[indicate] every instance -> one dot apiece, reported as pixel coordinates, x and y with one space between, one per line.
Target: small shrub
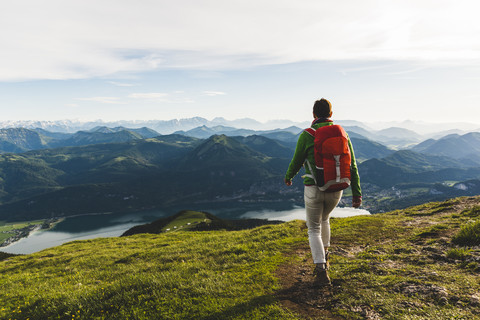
458 253
469 235
473 212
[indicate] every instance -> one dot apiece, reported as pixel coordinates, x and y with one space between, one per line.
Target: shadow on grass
4 255
245 308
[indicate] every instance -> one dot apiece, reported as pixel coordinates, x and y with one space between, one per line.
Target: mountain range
162 126
20 139
18 136
44 174
430 130
456 146
134 175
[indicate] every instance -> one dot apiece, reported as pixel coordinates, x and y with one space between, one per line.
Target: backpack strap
312 175
310 131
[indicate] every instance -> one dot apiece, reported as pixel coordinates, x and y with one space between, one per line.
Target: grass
4 255
469 235
397 265
191 217
195 275
403 265
458 253
450 183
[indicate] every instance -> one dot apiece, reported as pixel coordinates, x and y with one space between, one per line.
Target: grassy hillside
197 275
406 264
183 220
196 221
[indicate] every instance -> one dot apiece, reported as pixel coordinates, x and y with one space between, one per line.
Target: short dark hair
322 108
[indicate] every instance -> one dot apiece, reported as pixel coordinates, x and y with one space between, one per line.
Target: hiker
319 204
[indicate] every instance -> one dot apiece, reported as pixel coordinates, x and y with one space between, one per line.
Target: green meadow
405 264
178 275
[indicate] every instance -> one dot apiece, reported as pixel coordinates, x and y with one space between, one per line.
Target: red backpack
332 158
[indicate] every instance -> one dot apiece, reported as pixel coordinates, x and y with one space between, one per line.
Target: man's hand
288 182
356 201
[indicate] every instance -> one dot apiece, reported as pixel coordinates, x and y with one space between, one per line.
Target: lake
113 225
299 214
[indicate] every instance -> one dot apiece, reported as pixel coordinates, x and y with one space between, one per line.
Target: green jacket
304 151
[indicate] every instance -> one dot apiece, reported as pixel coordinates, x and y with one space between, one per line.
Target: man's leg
331 201
314 209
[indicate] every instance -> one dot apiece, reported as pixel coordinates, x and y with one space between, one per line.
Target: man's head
322 109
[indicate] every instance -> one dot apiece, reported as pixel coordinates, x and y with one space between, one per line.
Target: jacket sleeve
355 177
298 158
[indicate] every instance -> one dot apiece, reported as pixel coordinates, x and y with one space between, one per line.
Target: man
319 204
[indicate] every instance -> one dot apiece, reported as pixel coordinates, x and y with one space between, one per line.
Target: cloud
122 84
55 39
106 100
150 96
162 97
213 93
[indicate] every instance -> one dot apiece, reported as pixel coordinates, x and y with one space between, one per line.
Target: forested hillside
136 175
118 169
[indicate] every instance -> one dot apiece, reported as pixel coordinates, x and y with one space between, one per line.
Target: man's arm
297 161
355 178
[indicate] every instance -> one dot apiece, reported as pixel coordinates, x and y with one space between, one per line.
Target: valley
416 258
117 169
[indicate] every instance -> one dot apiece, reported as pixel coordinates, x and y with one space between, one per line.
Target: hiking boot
321 276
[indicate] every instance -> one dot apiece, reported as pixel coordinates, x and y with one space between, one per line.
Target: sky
379 60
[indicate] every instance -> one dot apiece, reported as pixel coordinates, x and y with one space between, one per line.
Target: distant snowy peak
72 126
60 125
170 126
160 126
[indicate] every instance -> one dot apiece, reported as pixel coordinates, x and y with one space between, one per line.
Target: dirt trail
299 294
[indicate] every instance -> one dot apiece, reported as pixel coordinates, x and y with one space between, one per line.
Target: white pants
318 205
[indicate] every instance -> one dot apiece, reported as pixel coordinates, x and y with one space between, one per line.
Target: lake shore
85 227
28 230
19 234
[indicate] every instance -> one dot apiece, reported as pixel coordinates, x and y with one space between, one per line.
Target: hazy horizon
418 126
